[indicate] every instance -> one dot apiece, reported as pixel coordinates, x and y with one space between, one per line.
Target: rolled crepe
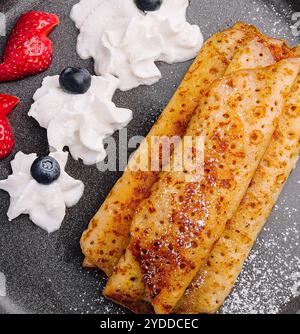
254 53
174 230
107 236
217 277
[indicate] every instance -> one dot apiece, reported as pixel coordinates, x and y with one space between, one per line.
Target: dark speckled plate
43 272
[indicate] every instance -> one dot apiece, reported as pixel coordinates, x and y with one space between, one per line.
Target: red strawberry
6 138
7 103
28 50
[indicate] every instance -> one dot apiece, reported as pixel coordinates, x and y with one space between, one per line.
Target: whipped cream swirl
126 42
45 204
79 121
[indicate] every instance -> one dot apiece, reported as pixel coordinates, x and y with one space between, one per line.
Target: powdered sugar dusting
271 276
267 14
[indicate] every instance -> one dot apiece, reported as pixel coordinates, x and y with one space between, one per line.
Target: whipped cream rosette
79 121
125 41
45 204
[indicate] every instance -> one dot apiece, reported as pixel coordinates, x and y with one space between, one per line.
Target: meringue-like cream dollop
45 204
79 121
125 42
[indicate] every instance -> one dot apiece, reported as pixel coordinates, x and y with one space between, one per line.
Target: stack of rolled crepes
171 246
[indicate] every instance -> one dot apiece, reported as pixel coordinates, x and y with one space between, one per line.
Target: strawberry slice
6 138
7 103
28 50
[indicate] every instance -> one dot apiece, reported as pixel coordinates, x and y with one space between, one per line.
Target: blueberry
45 170
148 5
75 80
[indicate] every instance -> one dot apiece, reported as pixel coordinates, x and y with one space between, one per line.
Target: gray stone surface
43 272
